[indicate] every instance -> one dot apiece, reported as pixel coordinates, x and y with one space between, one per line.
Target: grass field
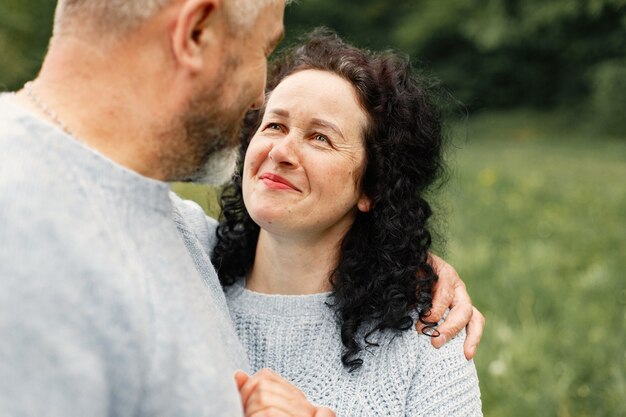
536 227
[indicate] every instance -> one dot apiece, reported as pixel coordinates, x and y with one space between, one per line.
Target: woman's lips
276 182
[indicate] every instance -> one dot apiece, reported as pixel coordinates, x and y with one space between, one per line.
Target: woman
322 263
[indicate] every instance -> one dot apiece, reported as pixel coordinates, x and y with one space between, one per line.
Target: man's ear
197 28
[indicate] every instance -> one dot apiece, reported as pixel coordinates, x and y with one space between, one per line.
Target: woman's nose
284 152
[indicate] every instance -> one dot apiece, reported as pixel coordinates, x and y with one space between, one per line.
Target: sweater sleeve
192 218
446 384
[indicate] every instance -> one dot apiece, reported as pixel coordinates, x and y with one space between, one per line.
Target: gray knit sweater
109 305
298 337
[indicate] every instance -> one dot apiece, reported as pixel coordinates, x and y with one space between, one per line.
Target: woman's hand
450 292
267 394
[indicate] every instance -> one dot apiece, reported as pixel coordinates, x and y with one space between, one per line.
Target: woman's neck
293 266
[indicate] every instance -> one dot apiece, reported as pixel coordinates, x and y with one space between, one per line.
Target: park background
534 212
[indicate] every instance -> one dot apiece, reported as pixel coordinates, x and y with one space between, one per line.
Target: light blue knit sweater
298 337
109 305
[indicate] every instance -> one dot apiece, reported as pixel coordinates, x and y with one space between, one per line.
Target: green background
534 212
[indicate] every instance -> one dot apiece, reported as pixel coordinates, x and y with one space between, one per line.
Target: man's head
205 60
119 16
241 86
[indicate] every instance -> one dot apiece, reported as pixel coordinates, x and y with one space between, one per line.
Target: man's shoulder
32 185
27 159
45 210
190 218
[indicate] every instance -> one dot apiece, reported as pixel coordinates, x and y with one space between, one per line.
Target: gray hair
118 16
115 15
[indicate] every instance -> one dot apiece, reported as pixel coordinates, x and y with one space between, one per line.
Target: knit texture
298 337
108 304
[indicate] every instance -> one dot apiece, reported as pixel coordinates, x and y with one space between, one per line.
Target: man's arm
450 293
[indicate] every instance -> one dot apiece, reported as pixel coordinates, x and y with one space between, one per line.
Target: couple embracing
110 301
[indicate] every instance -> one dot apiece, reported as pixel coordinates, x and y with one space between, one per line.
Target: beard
218 168
206 145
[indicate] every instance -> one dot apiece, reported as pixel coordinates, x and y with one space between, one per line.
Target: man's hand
266 394
450 292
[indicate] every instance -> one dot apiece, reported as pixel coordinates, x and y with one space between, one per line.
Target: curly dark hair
383 271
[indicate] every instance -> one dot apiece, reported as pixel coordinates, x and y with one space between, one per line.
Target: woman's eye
321 138
273 126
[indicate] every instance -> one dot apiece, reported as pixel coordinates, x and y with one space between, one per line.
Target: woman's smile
276 182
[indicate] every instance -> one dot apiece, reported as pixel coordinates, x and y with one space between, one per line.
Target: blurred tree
500 53
491 54
25 27
609 97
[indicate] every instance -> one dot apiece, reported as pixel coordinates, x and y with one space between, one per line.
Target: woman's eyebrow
326 124
315 122
279 112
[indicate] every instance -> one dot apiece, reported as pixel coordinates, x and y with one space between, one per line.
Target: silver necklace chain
28 87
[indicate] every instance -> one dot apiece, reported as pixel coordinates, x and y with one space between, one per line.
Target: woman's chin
269 219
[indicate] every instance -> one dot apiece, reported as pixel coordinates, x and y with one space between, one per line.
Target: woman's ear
364 204
195 30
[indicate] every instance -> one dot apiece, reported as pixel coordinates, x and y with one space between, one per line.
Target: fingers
268 394
252 383
474 333
456 321
450 293
324 412
267 380
266 400
269 412
443 296
443 290
241 378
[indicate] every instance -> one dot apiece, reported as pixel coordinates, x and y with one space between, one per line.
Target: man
107 304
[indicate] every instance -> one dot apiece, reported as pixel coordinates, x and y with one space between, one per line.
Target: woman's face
303 167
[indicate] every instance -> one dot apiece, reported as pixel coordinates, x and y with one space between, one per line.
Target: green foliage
501 53
25 27
206 196
609 97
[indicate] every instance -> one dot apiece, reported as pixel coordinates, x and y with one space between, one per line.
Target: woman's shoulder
417 357
426 381
444 381
424 340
